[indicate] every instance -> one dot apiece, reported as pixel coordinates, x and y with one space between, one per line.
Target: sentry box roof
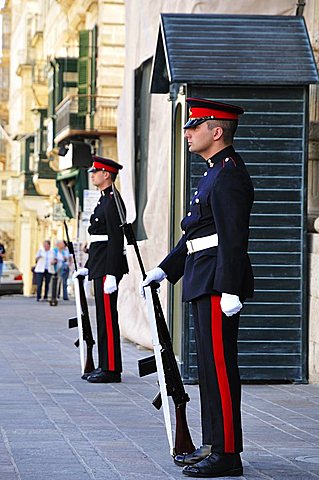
207 49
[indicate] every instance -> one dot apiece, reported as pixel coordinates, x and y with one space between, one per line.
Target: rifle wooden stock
183 440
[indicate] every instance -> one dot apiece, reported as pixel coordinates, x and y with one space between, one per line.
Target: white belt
197 244
99 238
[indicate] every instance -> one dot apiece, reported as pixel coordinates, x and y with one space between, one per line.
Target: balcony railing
85 115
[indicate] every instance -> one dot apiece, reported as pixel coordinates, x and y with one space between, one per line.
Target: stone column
312 19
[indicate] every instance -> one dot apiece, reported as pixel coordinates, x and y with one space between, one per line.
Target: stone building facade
59 57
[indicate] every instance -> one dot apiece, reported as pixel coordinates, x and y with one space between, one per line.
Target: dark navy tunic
222 205
107 257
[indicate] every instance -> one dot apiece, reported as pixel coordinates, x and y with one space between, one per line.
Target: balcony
25 59
85 116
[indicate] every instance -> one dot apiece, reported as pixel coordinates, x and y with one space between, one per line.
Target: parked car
11 280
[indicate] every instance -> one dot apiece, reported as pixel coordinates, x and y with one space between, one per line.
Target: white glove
230 304
154 275
81 271
110 284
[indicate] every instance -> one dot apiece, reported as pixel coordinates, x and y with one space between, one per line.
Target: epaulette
226 161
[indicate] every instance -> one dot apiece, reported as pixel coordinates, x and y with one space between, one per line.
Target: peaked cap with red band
106 164
202 110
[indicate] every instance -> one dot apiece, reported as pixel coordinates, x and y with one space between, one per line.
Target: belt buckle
190 247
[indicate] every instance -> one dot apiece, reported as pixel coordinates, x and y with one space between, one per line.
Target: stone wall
313 316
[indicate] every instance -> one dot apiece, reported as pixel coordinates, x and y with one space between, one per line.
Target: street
55 426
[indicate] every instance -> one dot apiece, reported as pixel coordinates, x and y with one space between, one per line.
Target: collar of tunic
219 156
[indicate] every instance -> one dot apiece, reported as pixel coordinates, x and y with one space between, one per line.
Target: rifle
82 320
173 380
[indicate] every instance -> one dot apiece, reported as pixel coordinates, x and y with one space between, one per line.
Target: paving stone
55 426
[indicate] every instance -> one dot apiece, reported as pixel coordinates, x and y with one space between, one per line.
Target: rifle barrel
70 244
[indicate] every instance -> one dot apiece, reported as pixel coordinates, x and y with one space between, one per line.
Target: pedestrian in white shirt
45 267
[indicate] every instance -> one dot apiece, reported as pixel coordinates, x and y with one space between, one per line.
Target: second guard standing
106 266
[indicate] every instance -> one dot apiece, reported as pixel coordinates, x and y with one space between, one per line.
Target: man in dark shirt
106 266
212 258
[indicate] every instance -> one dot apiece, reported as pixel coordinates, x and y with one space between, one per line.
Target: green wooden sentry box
264 64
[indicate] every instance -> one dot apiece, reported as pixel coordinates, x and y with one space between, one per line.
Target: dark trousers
219 381
108 332
63 280
47 277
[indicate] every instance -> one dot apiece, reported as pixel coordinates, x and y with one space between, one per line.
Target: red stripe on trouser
109 331
219 357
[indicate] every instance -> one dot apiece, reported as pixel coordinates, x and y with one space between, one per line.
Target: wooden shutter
93 72
51 88
84 70
272 139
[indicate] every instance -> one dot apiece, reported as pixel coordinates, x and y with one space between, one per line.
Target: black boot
216 465
87 374
192 458
104 377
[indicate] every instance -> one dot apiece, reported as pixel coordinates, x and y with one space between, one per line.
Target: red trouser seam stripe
109 330
219 357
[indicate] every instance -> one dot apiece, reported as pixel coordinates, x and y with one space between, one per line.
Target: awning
232 50
70 184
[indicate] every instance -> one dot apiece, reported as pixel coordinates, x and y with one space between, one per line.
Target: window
87 71
142 104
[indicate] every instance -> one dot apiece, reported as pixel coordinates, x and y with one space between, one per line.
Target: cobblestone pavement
55 426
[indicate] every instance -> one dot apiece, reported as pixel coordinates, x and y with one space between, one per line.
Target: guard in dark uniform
217 276
106 266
